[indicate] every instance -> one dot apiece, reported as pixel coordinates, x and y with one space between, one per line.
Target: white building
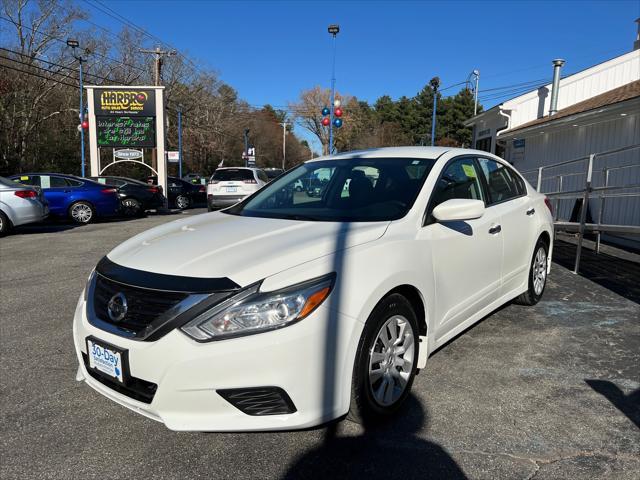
598 110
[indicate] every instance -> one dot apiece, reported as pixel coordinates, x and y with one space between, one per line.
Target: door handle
531 211
495 229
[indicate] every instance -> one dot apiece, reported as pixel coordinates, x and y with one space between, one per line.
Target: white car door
466 255
507 196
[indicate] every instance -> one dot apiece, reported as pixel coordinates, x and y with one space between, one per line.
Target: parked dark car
136 197
80 199
182 194
273 173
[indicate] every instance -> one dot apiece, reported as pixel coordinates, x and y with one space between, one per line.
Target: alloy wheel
391 360
539 271
81 213
182 202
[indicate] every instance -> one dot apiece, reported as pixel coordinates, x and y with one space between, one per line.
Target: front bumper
188 374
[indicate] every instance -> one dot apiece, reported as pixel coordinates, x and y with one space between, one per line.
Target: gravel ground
551 391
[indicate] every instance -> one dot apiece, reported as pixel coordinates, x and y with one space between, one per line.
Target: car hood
244 249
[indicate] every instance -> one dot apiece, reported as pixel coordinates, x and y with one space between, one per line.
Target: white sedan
285 312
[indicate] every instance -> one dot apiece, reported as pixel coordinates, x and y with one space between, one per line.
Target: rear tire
182 202
132 207
386 360
5 224
82 213
537 276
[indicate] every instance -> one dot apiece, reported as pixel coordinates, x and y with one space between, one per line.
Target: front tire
537 276
82 213
5 224
386 361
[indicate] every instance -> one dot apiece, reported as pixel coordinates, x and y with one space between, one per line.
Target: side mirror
458 209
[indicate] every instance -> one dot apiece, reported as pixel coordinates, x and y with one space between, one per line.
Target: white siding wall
575 88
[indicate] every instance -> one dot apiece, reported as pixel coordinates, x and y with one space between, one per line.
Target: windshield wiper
301 217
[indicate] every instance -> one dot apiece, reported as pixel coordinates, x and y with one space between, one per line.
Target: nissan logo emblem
117 307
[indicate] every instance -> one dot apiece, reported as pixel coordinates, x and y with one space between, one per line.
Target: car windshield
342 190
232 174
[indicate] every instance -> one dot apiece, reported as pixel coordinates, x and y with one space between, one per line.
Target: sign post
126 117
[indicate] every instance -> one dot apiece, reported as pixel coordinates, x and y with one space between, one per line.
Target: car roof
126 179
237 168
47 173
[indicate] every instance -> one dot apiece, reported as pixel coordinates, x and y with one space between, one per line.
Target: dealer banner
124 101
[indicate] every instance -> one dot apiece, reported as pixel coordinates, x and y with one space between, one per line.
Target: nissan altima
285 311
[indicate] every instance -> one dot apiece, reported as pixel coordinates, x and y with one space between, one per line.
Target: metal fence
571 183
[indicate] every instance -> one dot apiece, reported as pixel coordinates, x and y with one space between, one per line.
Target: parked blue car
80 199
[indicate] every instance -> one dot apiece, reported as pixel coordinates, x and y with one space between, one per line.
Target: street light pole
284 144
476 74
333 30
180 141
435 83
75 44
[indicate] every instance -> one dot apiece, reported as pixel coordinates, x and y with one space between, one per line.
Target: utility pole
284 143
435 84
158 54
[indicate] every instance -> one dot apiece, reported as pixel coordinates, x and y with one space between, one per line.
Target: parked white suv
229 185
288 310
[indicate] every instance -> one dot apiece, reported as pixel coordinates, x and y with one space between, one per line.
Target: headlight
88 284
252 311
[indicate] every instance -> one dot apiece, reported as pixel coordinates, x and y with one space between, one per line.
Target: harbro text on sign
125 117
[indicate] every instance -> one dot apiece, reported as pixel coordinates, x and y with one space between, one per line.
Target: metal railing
586 193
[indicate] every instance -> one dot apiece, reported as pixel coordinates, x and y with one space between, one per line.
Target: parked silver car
20 204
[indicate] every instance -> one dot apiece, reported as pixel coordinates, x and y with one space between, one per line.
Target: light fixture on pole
333 29
83 125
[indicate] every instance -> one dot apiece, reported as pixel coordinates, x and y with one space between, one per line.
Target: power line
38 75
95 54
104 79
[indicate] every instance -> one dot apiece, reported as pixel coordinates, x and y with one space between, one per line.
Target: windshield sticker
24 177
45 181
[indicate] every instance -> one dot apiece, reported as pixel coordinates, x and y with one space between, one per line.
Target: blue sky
271 50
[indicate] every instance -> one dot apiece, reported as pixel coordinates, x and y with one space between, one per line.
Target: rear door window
233 175
73 183
502 182
54 182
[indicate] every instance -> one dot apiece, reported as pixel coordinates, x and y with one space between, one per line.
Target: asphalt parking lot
551 391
